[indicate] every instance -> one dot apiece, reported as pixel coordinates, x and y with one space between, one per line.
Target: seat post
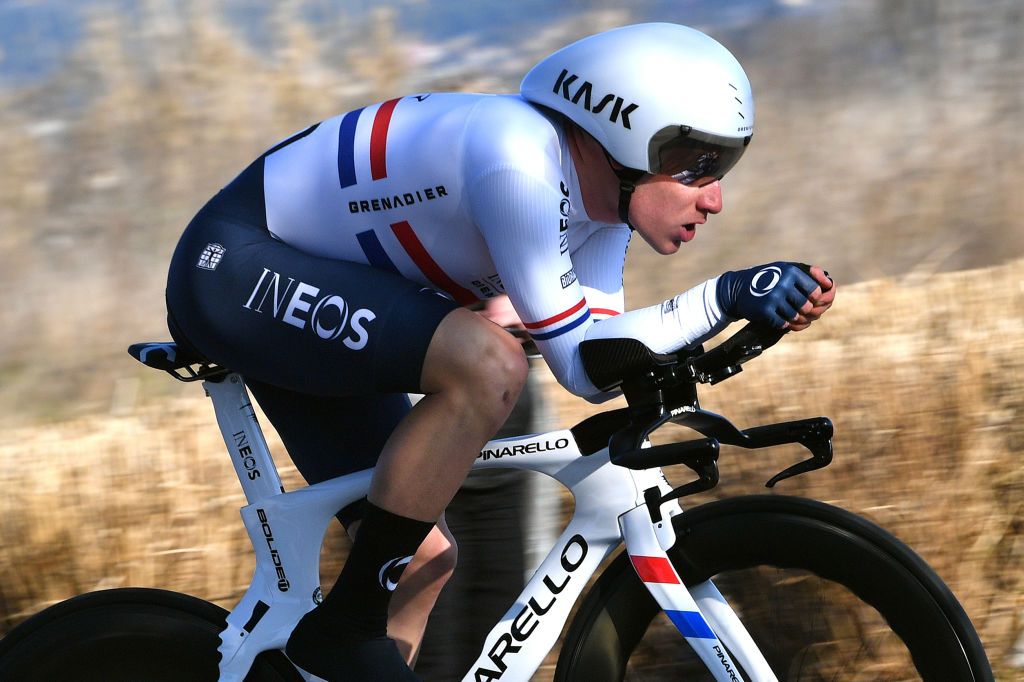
243 437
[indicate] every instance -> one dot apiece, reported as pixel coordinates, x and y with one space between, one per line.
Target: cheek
671 197
664 204
653 202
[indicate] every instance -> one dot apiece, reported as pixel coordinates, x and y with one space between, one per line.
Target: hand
817 303
781 294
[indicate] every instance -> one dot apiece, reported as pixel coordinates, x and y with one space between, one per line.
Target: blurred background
888 149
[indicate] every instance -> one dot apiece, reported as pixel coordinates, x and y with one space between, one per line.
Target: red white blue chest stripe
472 195
370 244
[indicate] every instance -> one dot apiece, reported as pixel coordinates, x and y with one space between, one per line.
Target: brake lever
815 434
818 439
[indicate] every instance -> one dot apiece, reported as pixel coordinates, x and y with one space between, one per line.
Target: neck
598 184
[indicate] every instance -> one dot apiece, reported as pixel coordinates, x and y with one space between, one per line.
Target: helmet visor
693 157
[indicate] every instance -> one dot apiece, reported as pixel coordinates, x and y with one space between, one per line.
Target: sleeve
519 216
682 321
518 199
686 320
598 264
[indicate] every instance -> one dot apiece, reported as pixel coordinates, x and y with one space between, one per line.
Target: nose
710 199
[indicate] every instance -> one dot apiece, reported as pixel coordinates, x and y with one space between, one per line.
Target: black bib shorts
328 348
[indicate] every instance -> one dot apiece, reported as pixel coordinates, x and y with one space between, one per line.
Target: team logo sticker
211 256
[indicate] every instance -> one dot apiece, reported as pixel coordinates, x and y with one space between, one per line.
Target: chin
665 247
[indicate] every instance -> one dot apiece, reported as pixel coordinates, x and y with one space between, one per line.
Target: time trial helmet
659 98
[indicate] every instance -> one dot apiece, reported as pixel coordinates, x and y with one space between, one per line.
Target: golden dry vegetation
929 426
888 140
888 149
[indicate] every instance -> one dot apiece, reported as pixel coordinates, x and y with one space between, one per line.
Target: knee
499 380
501 370
477 361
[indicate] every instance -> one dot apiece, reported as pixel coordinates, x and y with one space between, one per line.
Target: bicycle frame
287 531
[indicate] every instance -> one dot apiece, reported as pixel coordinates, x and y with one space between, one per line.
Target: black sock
346 636
384 546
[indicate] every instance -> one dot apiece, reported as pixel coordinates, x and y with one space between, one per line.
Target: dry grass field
888 149
925 397
887 140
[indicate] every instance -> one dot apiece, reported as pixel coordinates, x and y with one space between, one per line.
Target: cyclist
332 273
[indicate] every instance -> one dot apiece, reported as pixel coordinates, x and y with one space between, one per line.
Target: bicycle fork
701 613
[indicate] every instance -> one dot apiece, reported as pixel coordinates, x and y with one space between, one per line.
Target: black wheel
126 635
825 594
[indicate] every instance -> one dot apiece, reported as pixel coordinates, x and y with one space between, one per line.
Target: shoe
337 658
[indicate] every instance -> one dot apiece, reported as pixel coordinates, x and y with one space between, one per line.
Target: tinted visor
691 156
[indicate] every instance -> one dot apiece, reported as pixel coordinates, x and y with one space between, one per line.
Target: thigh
330 436
300 322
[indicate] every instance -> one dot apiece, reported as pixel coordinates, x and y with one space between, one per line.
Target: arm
548 292
688 319
784 295
519 215
598 264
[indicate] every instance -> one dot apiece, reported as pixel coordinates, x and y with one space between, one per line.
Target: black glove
771 293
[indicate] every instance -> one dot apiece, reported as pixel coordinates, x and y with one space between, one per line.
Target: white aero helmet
660 98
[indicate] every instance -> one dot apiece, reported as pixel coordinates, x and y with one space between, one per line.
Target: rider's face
666 213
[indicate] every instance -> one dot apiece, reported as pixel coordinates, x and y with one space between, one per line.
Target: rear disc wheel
126 635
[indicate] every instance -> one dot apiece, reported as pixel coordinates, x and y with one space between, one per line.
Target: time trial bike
762 587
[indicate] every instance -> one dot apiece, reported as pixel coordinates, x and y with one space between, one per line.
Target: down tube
517 645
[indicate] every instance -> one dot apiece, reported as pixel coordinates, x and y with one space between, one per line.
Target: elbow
583 388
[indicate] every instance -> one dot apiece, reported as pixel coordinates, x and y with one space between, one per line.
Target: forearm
685 320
